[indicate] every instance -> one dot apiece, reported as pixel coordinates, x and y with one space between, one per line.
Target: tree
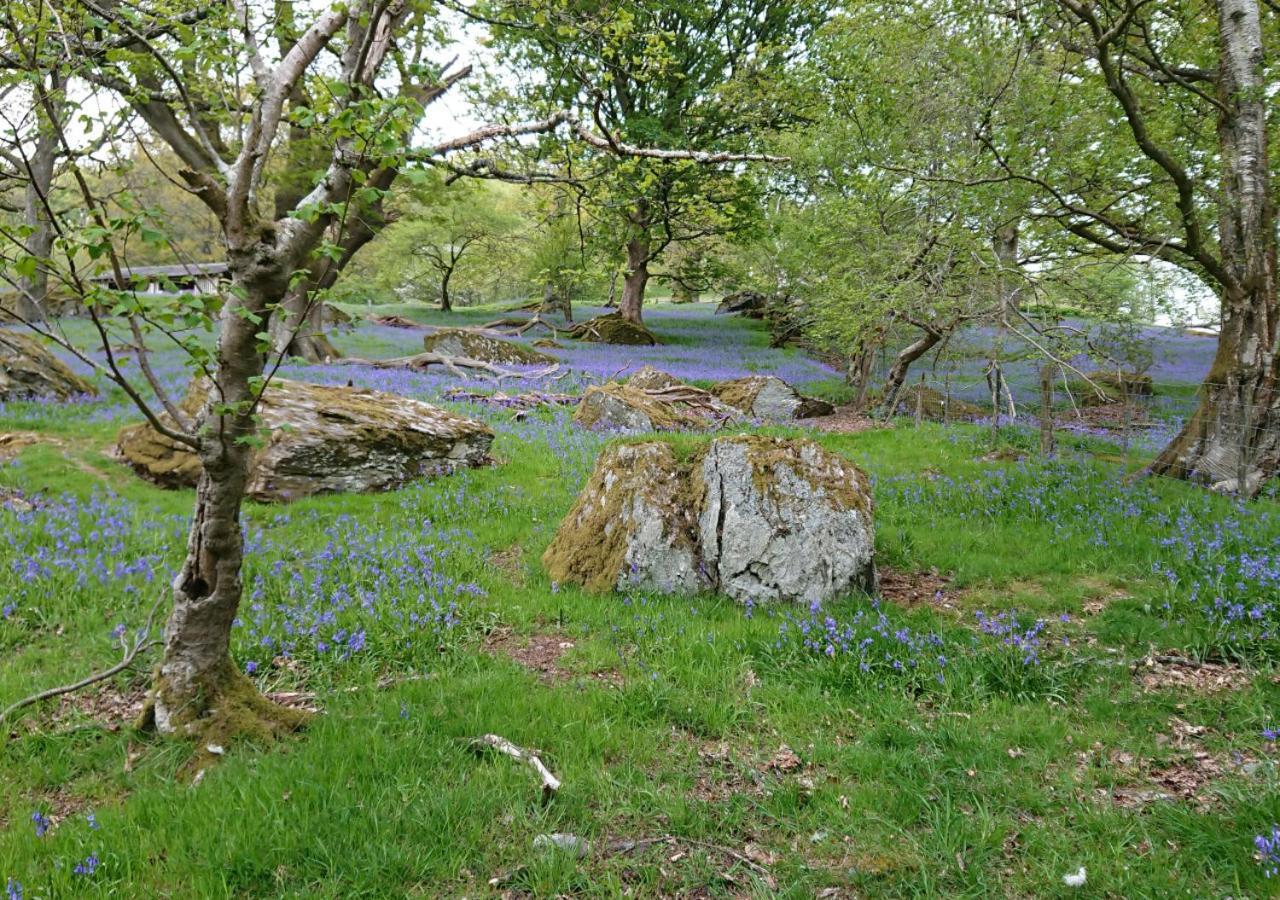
672 73
1185 178
460 221
287 231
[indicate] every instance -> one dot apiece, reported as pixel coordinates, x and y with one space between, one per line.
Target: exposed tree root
612 329
518 326
420 362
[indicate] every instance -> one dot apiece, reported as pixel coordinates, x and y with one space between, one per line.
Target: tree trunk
297 327
197 689
554 300
445 304
1232 440
33 290
637 277
898 371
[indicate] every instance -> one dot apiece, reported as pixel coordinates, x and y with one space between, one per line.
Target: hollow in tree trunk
1232 440
634 284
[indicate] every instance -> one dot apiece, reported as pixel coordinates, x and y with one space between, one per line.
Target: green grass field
704 749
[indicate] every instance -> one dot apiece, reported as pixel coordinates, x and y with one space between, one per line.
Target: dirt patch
542 654
1170 672
910 589
845 420
107 703
510 562
1189 778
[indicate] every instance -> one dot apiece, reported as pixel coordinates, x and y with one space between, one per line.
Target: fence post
920 402
1046 410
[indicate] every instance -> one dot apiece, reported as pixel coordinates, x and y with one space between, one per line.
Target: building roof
180 270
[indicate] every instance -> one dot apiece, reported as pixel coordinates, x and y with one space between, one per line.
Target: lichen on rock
783 520
317 439
483 347
759 519
28 371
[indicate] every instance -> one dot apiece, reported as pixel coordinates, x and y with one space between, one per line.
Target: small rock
569 843
770 399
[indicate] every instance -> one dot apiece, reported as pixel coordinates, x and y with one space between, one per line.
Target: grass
662 716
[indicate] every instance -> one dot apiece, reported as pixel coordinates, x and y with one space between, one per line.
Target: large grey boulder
651 379
759 519
769 398
783 520
28 371
631 527
317 439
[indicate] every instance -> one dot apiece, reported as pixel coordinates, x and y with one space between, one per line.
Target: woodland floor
1069 667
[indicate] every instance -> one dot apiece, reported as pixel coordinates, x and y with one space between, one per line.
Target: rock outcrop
759 519
770 399
28 371
626 408
484 347
318 439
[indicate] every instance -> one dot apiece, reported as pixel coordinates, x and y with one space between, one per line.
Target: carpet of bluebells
342 594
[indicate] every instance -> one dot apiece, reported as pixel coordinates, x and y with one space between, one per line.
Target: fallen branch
141 644
526 400
454 364
550 784
519 326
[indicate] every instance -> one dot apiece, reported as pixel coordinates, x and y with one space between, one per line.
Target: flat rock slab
28 371
484 347
759 519
770 399
319 439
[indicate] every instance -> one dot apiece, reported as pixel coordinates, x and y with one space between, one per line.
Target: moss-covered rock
317 439
613 329
626 408
484 347
28 371
1114 387
751 304
769 399
631 527
759 519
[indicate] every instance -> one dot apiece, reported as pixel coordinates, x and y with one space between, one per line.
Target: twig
550 784
131 652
